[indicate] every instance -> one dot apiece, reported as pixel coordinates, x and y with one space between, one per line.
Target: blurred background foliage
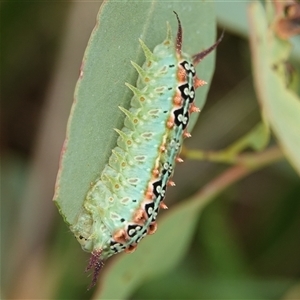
247 243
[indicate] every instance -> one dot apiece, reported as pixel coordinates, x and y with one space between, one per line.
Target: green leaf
239 25
257 139
280 106
101 86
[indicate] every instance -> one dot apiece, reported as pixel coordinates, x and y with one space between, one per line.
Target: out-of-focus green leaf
101 86
232 15
190 286
292 293
257 139
280 106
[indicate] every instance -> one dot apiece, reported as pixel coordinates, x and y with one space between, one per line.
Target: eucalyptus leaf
280 105
257 139
101 86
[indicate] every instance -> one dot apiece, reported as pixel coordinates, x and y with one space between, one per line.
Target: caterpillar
121 207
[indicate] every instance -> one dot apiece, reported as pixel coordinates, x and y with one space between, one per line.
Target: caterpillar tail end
96 263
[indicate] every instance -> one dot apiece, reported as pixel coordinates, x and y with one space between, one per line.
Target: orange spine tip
152 228
181 74
162 148
155 172
170 124
149 195
187 134
177 99
120 236
179 160
131 248
194 109
139 216
162 205
171 183
198 82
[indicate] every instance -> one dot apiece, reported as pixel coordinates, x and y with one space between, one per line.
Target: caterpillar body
122 205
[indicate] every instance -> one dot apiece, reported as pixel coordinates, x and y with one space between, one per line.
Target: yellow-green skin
121 207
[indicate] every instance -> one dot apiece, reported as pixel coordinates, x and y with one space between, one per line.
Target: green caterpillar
121 207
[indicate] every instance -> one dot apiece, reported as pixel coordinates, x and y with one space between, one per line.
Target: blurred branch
250 161
246 164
